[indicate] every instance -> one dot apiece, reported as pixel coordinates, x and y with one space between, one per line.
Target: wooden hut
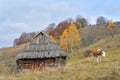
39 54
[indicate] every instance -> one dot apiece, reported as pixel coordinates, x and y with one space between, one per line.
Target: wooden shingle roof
41 47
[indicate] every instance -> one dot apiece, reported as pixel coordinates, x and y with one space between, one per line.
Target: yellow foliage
63 40
111 24
52 38
74 37
70 38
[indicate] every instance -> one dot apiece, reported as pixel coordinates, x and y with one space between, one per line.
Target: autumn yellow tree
70 38
74 37
52 38
64 40
110 27
111 24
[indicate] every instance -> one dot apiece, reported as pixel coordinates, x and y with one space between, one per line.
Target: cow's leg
100 58
94 57
97 58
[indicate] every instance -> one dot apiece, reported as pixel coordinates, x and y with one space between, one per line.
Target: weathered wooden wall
38 64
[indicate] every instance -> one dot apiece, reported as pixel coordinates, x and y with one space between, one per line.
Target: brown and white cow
97 54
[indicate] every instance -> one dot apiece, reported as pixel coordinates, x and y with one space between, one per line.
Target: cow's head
103 53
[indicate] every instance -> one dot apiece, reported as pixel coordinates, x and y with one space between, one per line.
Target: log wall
39 64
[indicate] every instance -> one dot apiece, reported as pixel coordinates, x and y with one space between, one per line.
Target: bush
87 53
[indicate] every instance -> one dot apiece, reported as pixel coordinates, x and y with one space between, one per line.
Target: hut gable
40 52
41 47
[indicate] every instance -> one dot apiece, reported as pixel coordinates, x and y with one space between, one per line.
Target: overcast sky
18 16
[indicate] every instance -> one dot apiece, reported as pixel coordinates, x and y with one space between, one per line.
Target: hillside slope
7 59
78 66
92 35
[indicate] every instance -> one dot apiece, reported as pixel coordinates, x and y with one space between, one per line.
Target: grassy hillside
94 34
7 59
77 68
